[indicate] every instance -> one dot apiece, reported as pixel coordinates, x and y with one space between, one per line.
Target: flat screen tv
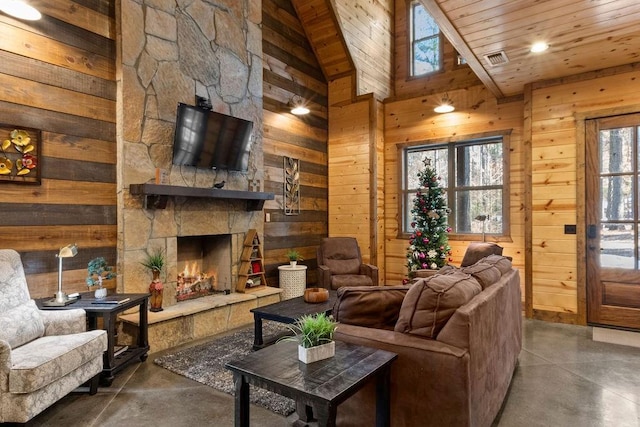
211 140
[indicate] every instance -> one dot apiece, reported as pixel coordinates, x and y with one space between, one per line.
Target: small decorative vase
155 289
293 263
100 292
319 352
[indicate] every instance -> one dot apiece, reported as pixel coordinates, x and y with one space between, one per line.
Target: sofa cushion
47 359
500 262
478 250
486 274
369 306
430 302
21 324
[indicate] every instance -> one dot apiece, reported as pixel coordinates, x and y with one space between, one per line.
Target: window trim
410 42
452 142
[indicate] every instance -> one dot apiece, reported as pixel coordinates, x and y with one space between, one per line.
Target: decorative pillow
486 274
21 324
430 303
369 306
478 250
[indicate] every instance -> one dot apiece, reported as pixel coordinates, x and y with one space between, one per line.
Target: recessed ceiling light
19 9
539 47
446 106
300 110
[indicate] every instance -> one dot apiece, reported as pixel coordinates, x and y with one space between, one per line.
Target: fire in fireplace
207 266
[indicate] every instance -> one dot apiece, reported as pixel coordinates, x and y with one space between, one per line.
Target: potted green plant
314 334
155 262
97 271
294 256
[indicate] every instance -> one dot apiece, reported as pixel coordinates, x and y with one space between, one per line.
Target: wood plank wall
58 75
413 121
290 68
452 76
558 111
368 31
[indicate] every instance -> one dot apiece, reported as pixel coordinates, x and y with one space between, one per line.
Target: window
426 52
474 174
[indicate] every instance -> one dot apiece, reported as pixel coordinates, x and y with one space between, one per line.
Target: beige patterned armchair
44 355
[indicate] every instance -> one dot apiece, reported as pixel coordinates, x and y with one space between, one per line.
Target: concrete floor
564 378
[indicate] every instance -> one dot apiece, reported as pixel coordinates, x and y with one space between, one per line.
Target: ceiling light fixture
446 106
19 9
297 106
539 47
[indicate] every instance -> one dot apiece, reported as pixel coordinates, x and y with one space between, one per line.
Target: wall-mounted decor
291 186
20 152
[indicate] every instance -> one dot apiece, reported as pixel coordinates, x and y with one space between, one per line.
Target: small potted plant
97 271
294 256
314 334
155 262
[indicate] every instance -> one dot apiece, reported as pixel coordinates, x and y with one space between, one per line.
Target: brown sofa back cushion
478 250
372 307
430 302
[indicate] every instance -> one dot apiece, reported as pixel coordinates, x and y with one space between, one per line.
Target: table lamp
68 251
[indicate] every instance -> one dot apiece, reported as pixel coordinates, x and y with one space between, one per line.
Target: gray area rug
204 363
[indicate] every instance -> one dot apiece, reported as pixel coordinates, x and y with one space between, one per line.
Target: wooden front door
613 220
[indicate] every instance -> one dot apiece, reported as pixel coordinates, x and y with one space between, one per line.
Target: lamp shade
68 251
20 9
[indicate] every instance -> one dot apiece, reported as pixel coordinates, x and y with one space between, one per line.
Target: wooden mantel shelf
156 195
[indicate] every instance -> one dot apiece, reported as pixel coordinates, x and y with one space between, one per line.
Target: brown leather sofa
340 264
457 334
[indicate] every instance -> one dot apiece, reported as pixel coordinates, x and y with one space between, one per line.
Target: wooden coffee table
320 386
288 311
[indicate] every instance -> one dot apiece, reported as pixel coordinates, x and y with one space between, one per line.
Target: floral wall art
20 151
291 186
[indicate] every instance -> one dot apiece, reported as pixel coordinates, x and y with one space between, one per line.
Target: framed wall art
20 152
291 186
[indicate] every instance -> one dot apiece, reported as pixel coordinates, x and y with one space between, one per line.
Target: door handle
592 232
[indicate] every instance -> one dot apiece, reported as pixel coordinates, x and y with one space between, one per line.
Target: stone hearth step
198 318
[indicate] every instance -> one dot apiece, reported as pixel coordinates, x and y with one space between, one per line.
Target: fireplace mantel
156 195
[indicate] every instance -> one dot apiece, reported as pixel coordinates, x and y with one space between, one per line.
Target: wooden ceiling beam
451 33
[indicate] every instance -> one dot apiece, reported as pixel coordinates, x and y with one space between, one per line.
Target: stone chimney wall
170 51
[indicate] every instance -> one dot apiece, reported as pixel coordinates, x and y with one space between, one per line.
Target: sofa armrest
428 373
324 277
5 365
371 307
371 271
64 322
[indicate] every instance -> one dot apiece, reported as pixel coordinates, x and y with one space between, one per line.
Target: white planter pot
313 354
100 293
293 263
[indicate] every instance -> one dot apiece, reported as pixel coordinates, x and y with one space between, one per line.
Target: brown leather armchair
340 264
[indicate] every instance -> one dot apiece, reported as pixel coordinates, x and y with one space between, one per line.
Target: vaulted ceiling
583 36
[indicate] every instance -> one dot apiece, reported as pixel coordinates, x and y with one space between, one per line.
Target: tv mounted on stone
211 140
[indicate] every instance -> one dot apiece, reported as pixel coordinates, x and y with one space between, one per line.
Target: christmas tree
429 243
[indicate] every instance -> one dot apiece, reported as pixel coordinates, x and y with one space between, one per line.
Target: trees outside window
426 41
474 175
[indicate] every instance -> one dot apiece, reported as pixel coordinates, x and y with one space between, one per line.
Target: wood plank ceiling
583 35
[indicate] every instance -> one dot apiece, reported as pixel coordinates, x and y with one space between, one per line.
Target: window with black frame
474 174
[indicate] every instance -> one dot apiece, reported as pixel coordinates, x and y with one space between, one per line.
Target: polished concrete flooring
564 378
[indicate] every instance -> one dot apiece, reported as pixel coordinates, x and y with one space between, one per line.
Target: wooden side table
293 280
113 362
320 386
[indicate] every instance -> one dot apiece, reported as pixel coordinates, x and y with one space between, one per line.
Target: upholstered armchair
44 355
340 264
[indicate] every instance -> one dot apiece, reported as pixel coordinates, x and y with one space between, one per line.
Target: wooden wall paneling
58 75
291 68
368 31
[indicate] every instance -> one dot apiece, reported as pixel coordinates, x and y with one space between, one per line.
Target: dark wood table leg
241 400
257 332
326 415
304 411
383 398
143 333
